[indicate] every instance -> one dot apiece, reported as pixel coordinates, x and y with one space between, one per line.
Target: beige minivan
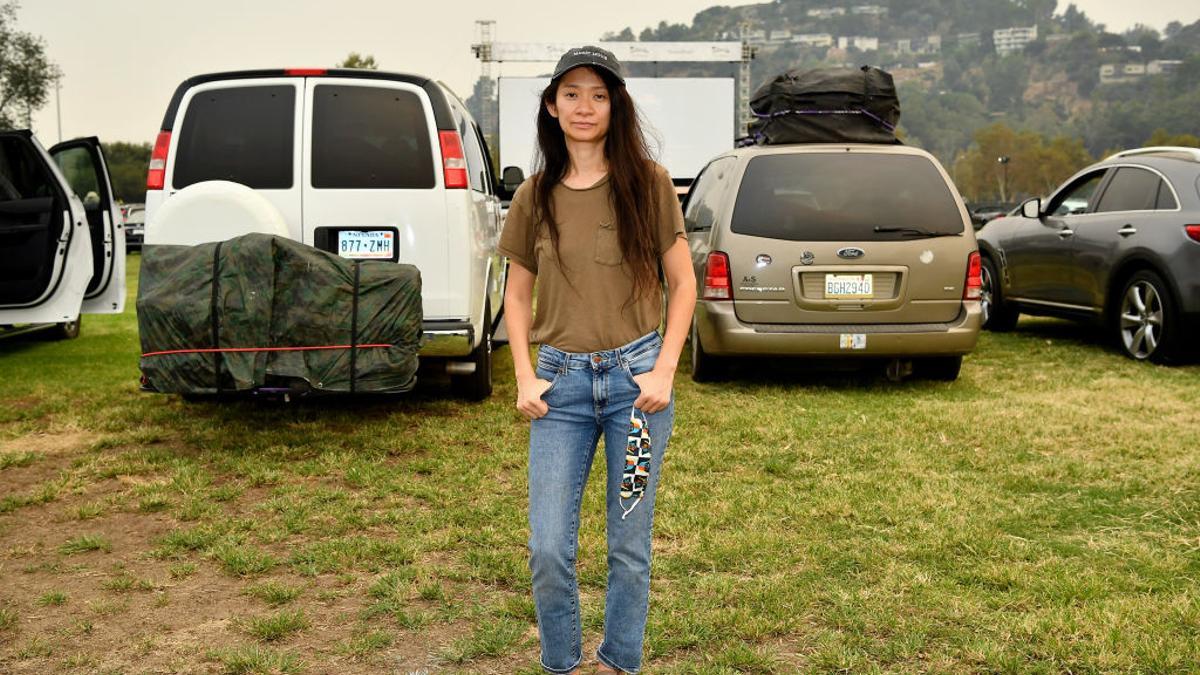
814 250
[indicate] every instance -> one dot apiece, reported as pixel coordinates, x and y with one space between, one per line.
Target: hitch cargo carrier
262 312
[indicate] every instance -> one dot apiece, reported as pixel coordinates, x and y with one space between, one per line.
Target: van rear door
246 131
852 236
82 163
372 184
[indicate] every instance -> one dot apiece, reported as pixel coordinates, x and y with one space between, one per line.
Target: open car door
81 162
45 247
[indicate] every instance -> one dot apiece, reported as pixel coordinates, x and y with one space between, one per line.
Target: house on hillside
865 44
869 10
1012 40
813 40
825 12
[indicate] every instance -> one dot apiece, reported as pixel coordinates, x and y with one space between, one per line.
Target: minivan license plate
838 286
367 244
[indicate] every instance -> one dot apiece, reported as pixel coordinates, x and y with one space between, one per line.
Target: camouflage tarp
284 311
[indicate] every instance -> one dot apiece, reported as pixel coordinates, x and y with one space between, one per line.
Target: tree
1035 166
127 164
626 35
26 75
1161 137
365 62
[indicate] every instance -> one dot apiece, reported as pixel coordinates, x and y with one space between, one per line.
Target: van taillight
718 282
1193 231
454 162
156 175
973 290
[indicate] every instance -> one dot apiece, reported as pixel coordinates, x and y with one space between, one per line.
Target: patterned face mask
637 462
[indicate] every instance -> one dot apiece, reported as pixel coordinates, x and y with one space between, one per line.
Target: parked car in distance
861 251
389 157
61 240
1117 245
982 213
135 225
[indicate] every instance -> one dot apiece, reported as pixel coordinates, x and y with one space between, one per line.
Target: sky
122 59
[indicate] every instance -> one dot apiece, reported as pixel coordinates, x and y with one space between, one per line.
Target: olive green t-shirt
592 310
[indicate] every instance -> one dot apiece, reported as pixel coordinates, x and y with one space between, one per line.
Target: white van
62 246
361 163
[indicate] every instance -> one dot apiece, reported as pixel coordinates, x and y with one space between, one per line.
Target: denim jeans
590 395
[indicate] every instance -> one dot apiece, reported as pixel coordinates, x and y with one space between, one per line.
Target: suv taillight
718 282
157 173
973 290
454 162
1193 231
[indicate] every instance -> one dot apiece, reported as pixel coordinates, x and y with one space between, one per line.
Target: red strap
260 349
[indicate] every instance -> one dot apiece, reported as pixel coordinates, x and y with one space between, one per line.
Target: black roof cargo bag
261 312
826 105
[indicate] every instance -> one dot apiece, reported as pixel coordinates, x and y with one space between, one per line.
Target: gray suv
1117 245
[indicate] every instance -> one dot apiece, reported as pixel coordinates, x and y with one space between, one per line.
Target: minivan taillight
157 173
1193 231
718 282
454 162
973 290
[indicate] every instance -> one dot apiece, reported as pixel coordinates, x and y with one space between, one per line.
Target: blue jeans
590 395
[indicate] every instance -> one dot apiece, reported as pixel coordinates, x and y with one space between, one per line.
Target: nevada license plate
367 244
838 286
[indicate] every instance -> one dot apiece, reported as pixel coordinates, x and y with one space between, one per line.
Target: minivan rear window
240 134
370 137
843 197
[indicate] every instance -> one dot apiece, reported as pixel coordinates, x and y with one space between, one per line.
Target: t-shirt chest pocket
608 245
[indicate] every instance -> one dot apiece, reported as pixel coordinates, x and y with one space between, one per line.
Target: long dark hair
630 176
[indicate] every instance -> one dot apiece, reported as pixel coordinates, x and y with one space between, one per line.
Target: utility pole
1003 160
58 75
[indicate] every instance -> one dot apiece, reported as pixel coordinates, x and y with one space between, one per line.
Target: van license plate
853 341
367 244
839 286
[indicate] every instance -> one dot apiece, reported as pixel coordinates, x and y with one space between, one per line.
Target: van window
475 165
843 197
239 134
369 137
700 212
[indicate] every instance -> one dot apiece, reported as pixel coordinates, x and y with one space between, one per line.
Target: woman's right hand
529 397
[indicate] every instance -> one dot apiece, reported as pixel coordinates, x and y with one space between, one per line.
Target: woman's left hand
656 390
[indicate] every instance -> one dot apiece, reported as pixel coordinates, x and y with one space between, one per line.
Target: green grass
17 459
252 659
277 626
52 599
1041 514
85 543
274 593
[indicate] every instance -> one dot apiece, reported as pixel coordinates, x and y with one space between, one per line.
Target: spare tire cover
211 211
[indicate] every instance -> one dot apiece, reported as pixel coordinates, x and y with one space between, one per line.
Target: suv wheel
705 367
997 315
1145 320
67 330
477 386
942 368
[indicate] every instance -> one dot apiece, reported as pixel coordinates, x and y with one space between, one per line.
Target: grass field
1041 514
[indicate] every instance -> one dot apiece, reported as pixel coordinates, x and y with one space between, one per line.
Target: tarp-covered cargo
826 105
261 311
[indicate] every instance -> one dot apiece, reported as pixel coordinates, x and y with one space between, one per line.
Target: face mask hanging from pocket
637 462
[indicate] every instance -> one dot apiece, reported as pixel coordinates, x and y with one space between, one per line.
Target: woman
592 229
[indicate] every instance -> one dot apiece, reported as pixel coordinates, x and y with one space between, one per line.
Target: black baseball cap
589 56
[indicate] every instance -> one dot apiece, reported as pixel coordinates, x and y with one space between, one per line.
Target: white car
361 163
62 246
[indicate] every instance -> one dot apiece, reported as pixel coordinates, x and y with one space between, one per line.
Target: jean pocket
608 245
550 375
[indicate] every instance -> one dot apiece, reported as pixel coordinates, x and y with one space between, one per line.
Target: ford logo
851 252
